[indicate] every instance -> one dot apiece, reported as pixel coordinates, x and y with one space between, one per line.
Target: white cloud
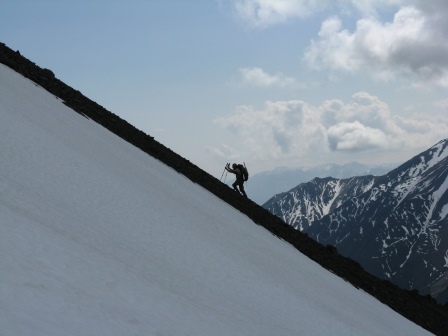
355 136
258 77
293 129
365 108
272 132
263 13
370 7
414 45
411 45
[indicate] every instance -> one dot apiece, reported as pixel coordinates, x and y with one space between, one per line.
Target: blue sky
272 83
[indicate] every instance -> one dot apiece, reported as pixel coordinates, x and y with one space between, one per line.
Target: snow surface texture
98 238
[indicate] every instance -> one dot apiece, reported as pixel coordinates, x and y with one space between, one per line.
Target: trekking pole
224 171
222 174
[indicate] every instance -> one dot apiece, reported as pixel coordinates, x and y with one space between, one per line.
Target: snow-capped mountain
309 202
395 225
265 185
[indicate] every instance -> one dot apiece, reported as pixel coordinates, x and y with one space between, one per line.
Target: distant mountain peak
265 185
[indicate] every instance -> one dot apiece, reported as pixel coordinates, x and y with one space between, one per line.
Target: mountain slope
397 229
309 202
68 260
96 231
394 225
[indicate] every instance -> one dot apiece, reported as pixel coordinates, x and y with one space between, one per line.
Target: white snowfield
99 238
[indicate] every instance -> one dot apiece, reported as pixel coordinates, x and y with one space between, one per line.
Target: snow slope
98 238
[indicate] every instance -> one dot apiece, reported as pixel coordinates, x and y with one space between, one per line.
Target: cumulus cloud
414 44
291 129
411 45
365 108
355 136
273 131
258 77
370 7
263 13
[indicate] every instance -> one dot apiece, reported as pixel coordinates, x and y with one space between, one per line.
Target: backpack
244 171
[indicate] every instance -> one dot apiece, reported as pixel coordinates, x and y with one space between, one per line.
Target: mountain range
395 225
263 186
